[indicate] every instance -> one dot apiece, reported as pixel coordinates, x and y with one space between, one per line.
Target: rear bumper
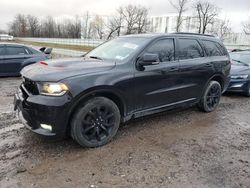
241 86
35 111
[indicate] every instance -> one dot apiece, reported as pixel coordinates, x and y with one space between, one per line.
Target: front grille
30 86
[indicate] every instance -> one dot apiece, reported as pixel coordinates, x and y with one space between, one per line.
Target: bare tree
206 13
114 25
72 28
246 27
180 6
135 18
33 25
48 27
19 26
223 30
98 26
2 31
86 25
142 20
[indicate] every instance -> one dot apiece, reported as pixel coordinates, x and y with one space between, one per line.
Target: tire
96 123
211 97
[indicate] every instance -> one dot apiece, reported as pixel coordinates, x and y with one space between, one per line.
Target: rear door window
164 48
2 50
212 48
15 50
189 49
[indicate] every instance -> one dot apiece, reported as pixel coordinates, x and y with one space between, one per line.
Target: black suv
128 77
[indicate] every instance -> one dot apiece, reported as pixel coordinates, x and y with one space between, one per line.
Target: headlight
240 77
53 89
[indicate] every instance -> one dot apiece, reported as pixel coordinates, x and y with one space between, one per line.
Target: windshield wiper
238 61
95 57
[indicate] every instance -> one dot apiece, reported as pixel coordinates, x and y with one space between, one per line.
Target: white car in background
6 37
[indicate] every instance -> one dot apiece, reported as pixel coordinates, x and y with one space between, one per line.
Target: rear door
15 56
195 68
2 55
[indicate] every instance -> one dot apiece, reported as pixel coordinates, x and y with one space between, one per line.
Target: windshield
118 49
240 58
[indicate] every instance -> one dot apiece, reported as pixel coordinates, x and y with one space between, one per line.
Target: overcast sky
235 10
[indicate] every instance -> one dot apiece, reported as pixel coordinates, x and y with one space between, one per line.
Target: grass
52 45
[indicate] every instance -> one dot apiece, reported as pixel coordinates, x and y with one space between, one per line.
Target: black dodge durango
125 78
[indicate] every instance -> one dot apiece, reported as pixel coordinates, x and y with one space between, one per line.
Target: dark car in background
125 78
13 57
240 72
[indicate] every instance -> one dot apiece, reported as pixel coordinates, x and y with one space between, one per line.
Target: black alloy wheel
96 123
211 97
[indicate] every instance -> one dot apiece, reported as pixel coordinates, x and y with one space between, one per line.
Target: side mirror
149 59
48 51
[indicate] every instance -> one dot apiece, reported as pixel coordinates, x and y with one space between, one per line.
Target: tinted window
222 49
164 48
32 51
189 49
2 51
15 51
211 48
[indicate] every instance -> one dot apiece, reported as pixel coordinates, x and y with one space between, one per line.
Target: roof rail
187 33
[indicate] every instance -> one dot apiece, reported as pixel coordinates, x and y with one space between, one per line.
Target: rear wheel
211 97
96 123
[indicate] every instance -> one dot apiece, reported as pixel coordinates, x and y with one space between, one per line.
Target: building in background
167 24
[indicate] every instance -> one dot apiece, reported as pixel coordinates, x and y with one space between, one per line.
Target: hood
240 69
56 70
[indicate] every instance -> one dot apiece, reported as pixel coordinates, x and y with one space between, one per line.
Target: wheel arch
216 77
97 92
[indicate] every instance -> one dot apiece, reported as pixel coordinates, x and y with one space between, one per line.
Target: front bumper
37 110
241 86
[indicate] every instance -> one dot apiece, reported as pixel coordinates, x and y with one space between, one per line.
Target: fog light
47 127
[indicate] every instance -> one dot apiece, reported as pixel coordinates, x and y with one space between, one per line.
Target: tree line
130 19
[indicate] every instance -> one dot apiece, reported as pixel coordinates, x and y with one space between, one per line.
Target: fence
65 41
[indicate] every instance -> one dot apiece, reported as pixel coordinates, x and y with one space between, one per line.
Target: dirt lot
184 148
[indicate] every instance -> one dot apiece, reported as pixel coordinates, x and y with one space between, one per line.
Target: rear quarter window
213 48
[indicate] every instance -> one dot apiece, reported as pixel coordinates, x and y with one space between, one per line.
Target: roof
180 34
11 44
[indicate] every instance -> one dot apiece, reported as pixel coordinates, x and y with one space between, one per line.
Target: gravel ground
183 148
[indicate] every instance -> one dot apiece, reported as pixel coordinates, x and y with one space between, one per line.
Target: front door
157 85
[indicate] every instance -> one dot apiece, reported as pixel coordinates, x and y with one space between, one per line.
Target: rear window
189 49
213 48
15 51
